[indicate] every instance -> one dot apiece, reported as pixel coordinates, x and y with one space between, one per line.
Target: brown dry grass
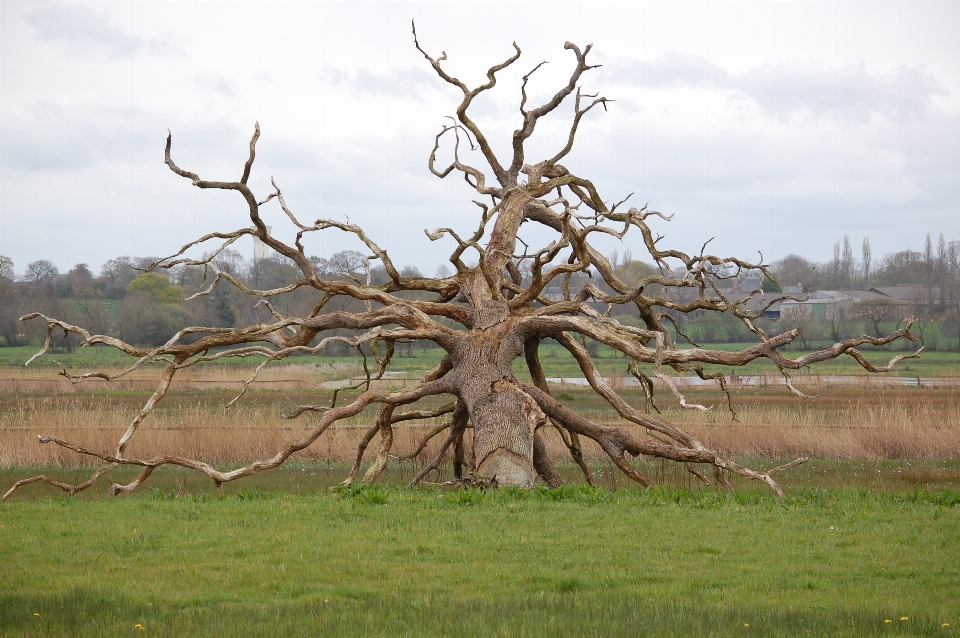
194 426
842 422
845 422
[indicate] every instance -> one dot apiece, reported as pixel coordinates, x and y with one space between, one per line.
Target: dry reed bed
853 423
194 426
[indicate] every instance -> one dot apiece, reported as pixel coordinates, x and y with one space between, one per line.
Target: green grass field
556 361
571 561
282 554
304 478
84 359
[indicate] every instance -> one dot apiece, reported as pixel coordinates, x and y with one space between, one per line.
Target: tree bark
504 417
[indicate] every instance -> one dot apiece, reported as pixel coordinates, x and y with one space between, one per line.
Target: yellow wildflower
36 613
904 618
888 621
138 626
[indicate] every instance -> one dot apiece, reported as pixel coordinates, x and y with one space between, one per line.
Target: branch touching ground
440 386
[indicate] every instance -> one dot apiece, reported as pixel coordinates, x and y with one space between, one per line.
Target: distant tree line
934 301
936 266
147 308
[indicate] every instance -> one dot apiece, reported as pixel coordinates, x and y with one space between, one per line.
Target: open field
556 361
303 477
385 561
279 553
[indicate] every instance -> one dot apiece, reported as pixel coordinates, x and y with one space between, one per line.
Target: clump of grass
365 494
465 496
575 492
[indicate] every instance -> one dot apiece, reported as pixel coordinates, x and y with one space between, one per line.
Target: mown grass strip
98 613
309 477
556 361
385 560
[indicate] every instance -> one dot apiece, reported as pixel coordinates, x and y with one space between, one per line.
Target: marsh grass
194 420
292 376
383 560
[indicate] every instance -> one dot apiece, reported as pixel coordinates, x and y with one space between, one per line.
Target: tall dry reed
846 422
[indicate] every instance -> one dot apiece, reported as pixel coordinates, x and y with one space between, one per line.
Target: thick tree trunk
504 422
504 417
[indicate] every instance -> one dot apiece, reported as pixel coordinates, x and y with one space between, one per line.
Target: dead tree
500 315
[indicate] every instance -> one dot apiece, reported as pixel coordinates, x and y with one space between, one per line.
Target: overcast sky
773 126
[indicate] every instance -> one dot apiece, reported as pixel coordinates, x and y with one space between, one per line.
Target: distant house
817 304
826 304
734 291
920 297
750 284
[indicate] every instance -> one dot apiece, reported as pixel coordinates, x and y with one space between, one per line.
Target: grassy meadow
869 531
556 361
574 560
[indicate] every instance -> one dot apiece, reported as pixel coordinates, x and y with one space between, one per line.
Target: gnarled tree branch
484 317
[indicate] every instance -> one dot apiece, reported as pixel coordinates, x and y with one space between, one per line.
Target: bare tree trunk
504 417
504 422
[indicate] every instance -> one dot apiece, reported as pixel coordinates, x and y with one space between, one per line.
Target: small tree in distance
484 316
40 271
6 267
157 287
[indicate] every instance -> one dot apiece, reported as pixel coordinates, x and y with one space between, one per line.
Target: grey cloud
334 77
45 137
672 69
858 166
848 92
81 30
786 194
167 46
406 82
217 84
